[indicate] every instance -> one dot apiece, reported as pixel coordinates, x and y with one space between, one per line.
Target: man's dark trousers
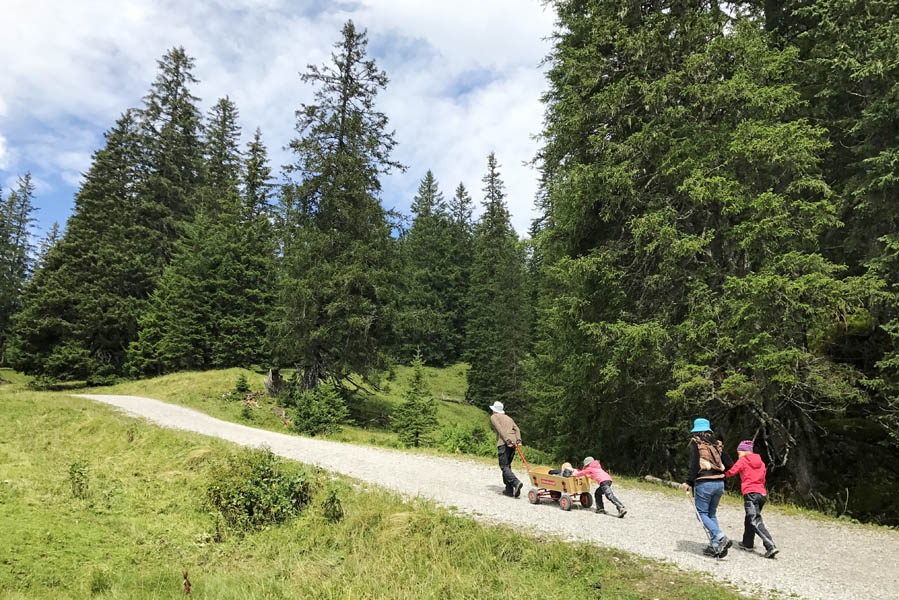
506 454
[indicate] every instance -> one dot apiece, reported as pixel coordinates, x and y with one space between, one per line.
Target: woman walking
708 463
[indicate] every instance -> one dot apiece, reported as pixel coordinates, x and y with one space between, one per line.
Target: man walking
507 438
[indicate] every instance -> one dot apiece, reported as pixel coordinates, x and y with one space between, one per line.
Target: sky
465 80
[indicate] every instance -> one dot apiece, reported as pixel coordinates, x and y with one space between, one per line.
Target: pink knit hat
746 446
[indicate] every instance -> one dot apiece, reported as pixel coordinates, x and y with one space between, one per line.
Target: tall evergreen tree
213 298
47 242
338 277
173 146
682 269
426 319
459 257
82 307
496 333
258 187
16 262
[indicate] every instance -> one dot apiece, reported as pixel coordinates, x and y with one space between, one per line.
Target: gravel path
818 559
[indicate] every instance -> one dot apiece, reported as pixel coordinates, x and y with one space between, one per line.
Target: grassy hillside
142 522
204 391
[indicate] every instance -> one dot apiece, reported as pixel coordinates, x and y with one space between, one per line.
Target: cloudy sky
465 80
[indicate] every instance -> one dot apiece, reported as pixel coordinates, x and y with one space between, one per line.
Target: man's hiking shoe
621 512
517 491
772 552
723 546
710 551
745 548
601 511
509 493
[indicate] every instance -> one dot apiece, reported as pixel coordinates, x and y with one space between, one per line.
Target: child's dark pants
605 488
753 524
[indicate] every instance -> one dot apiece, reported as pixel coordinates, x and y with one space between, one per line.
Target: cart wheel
532 496
565 502
586 499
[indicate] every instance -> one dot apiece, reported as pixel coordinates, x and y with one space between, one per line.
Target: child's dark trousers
753 524
605 489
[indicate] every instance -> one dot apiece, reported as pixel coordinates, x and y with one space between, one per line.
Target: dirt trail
818 559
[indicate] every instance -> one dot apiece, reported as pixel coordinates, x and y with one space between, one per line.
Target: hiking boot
601 511
517 491
771 552
710 551
742 546
723 546
508 493
621 512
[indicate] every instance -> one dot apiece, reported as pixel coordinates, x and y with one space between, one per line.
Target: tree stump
274 382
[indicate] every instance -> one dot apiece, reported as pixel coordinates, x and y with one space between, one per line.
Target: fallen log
665 482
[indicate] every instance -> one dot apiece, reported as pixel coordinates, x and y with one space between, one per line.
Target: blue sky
465 80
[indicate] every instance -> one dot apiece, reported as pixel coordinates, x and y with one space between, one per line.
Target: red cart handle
526 465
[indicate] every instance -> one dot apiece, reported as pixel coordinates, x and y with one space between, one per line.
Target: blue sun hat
701 425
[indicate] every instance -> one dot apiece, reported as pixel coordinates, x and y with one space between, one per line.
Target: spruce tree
16 262
47 242
459 257
416 417
496 328
172 143
82 307
210 307
338 271
258 187
426 318
682 273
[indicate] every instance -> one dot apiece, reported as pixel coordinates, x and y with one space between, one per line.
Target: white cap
497 407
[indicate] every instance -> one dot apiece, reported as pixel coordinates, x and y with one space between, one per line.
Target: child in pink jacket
594 470
752 472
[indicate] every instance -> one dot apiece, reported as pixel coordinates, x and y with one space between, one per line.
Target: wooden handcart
564 490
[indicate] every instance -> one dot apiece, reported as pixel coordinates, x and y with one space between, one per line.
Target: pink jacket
595 471
752 473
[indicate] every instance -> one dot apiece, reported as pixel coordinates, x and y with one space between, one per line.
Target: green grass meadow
203 391
142 522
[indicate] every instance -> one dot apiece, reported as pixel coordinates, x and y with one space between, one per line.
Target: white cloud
4 153
465 77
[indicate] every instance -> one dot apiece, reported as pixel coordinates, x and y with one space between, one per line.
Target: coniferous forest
718 236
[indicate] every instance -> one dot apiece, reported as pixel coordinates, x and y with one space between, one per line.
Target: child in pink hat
752 473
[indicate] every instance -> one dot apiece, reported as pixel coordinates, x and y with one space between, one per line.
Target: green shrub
320 411
466 440
242 387
332 506
100 582
246 413
78 478
416 417
255 488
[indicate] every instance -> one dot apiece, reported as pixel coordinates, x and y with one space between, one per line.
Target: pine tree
459 257
338 275
416 417
81 307
426 319
210 307
496 333
682 271
47 242
16 262
257 180
172 128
